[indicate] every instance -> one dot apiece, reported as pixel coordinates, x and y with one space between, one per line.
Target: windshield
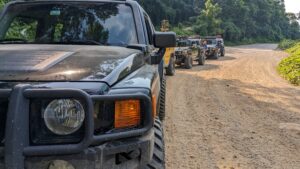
194 42
182 43
211 41
69 23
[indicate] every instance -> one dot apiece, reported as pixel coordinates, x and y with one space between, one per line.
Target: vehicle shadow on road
241 121
198 67
225 58
222 58
272 97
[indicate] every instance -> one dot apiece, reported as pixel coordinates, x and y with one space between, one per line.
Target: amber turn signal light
154 106
127 113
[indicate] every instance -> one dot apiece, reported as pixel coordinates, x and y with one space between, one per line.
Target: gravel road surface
233 113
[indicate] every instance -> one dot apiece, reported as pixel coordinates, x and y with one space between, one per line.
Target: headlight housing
64 116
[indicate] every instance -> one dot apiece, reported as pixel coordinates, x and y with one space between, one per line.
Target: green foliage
294 49
239 21
294 30
183 31
3 2
208 22
289 67
231 31
259 20
176 11
22 29
287 43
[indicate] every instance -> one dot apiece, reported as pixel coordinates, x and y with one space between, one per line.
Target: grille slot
3 112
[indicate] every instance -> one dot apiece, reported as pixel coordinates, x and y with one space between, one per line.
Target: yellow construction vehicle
169 60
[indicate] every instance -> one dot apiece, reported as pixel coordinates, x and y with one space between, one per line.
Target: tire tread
158 159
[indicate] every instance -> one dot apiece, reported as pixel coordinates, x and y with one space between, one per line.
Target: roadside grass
287 43
289 67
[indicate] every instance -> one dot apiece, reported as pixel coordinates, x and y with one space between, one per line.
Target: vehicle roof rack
212 37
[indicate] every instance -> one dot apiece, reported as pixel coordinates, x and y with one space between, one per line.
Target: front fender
146 77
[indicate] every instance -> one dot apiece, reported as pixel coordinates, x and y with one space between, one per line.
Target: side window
22 28
149 29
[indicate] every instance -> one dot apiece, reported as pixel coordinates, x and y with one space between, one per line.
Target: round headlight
64 116
60 164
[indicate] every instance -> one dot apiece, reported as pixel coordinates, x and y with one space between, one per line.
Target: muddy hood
181 49
211 46
66 63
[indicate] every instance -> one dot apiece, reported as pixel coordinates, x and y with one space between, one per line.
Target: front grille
3 112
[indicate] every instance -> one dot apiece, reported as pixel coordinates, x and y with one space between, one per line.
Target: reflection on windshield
183 43
74 23
211 41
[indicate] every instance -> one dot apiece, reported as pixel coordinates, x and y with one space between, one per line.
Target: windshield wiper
12 41
85 42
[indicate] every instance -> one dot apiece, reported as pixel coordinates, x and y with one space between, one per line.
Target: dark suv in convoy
215 47
188 51
81 86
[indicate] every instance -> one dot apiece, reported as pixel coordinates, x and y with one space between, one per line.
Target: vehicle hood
181 49
67 63
211 46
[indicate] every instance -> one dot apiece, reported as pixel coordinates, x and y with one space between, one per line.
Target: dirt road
233 113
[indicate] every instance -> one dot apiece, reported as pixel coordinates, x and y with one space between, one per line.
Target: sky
292 6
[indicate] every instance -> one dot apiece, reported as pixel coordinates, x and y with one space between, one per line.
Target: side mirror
164 39
158 56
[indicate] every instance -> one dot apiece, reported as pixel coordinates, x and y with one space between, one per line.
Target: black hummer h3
215 47
81 85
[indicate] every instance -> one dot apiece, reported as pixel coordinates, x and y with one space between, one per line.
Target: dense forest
236 20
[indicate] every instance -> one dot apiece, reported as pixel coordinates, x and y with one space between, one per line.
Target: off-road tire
201 59
223 53
158 159
188 62
216 56
162 101
170 70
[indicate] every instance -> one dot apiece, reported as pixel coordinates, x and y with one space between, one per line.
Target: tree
3 2
294 30
231 31
208 22
176 11
237 20
292 16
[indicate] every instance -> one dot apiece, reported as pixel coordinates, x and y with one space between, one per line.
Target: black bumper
94 151
210 52
126 154
179 58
